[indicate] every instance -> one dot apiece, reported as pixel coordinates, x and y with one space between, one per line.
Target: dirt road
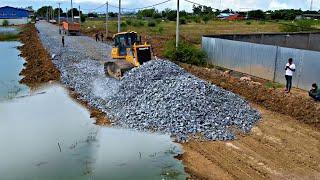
280 147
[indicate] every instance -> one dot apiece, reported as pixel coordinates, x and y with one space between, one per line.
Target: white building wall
16 21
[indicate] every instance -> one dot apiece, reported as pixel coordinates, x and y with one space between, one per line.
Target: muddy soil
279 147
296 105
39 68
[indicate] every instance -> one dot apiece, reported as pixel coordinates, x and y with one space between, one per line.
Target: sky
244 5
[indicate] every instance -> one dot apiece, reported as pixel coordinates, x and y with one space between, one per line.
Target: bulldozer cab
125 40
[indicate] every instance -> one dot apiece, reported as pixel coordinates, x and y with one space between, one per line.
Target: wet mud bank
39 68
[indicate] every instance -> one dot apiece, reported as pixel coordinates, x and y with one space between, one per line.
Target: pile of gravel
160 96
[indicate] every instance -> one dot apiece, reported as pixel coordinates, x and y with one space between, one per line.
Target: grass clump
138 23
185 53
9 37
152 24
273 85
5 23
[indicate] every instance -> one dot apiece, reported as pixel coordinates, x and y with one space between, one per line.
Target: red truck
71 28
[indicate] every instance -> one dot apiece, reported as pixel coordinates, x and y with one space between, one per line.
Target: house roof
225 14
13 8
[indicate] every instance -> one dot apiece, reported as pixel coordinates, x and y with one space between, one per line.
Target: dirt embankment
295 105
39 68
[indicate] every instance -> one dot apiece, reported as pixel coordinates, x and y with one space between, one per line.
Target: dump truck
71 28
128 52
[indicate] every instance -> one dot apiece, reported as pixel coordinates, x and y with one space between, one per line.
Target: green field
191 31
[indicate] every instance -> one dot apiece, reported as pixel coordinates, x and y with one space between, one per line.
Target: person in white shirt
290 69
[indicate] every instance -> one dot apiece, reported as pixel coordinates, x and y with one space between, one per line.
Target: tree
147 12
112 14
206 18
94 15
56 11
75 12
256 14
42 12
207 10
197 10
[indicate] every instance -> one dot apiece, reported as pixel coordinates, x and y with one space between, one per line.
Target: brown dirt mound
295 105
39 68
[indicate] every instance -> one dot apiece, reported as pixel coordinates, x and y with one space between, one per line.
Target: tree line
204 13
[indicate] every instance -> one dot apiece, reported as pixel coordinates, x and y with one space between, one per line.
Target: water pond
47 135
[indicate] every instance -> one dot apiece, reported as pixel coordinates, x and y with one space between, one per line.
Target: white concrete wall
16 21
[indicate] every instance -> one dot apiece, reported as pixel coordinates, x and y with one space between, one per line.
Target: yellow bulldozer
128 52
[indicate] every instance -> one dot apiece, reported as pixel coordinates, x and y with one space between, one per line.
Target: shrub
152 24
123 24
158 21
83 18
183 20
248 23
5 23
206 18
186 53
197 19
262 22
160 30
129 22
138 23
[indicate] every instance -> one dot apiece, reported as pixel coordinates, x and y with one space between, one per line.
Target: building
235 17
14 16
224 16
230 16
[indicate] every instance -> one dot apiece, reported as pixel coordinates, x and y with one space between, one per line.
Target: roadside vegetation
8 37
5 23
185 53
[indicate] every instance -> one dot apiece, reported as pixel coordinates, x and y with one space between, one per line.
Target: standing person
290 69
97 37
315 92
62 39
102 36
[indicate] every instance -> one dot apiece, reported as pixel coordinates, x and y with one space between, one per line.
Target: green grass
273 85
9 37
191 31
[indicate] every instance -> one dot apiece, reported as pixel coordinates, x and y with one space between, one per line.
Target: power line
157 4
132 9
197 4
95 8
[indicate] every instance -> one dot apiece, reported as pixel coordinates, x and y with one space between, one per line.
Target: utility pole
177 27
79 16
311 5
119 17
47 13
52 13
67 15
71 11
59 18
107 11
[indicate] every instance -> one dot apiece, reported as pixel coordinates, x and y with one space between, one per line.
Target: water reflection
49 136
10 66
11 30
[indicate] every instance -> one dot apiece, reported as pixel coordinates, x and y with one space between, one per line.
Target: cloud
275 4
